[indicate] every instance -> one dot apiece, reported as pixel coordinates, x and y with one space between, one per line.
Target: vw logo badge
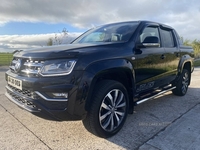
17 65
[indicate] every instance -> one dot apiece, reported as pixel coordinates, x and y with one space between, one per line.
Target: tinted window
95 37
149 32
120 32
167 38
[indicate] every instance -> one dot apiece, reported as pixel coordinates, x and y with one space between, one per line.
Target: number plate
15 82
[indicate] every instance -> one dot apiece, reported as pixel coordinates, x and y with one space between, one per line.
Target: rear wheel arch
186 62
188 66
184 79
182 83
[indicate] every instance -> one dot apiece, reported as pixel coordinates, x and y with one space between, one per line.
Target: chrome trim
14 61
18 64
30 71
32 67
12 67
152 97
32 64
151 44
50 99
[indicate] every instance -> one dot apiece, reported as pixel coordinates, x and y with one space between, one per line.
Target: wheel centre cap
113 109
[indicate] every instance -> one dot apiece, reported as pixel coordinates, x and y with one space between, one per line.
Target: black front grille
22 101
25 93
23 97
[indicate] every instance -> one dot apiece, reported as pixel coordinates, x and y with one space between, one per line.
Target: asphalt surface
166 123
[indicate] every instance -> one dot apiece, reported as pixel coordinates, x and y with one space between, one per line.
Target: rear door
172 54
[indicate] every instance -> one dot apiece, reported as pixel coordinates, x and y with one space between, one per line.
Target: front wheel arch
124 76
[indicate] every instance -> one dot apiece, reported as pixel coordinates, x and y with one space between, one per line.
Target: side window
168 39
149 32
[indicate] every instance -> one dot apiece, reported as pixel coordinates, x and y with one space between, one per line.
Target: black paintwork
140 69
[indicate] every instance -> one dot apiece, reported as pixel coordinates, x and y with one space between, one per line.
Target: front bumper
34 96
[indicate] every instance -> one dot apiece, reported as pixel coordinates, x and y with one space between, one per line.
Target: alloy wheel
185 82
112 110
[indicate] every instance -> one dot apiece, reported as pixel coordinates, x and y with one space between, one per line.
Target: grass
197 63
5 59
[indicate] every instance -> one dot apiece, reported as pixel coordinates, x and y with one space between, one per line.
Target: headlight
57 67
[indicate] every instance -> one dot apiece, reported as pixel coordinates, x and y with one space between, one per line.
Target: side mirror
150 41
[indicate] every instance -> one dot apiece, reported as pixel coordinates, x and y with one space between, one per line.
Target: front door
151 66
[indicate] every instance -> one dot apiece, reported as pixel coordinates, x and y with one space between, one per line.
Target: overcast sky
29 23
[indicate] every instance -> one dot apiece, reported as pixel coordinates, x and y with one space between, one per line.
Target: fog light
60 95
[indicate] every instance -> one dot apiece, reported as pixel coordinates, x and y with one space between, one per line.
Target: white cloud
83 13
9 43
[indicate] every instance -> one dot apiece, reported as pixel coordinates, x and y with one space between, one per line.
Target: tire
182 84
108 110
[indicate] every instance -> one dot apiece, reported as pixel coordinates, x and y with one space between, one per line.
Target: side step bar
154 96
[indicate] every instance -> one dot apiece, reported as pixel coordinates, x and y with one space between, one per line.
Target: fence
5 59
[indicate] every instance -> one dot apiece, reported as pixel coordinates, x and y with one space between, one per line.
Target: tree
59 38
187 43
196 46
50 42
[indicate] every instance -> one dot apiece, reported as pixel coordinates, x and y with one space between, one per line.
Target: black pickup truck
102 75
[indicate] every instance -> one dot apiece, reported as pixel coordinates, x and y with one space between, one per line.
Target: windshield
120 32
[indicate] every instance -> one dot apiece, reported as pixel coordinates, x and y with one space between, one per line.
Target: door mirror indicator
149 41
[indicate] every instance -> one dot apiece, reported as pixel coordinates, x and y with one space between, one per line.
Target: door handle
162 56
